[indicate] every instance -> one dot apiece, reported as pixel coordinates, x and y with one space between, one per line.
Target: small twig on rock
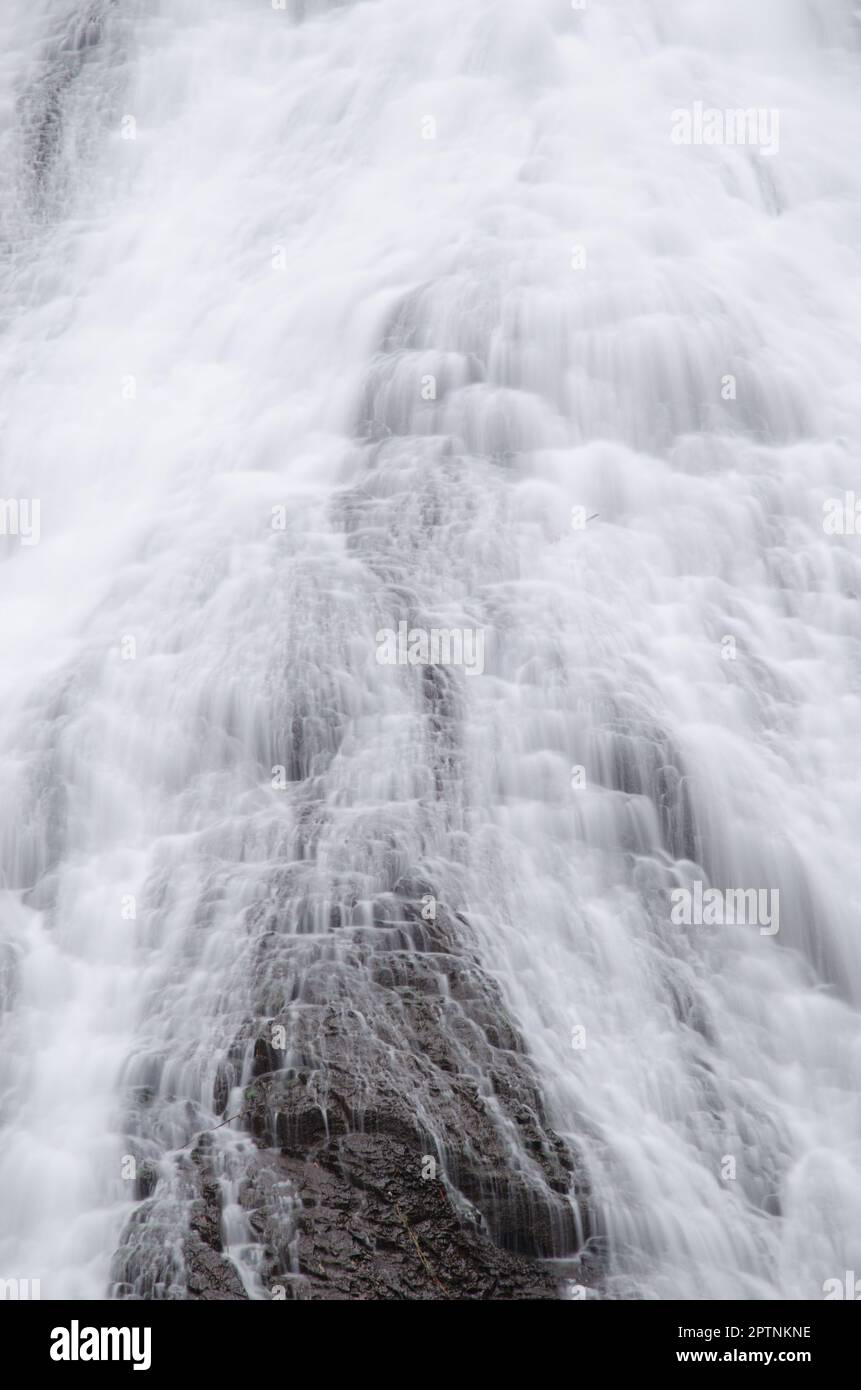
223 1122
415 1240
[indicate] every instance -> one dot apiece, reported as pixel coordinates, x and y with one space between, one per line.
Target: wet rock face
403 1149
83 34
371 1228
175 1250
210 1275
400 1146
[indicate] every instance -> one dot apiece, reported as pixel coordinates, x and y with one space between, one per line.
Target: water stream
318 319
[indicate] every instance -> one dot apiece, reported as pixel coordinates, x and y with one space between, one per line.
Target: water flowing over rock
520 333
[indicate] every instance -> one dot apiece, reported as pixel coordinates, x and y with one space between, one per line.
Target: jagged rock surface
401 1062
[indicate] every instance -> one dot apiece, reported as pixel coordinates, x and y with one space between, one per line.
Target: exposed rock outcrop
404 1152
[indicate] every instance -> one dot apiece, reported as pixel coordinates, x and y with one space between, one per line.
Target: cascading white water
237 242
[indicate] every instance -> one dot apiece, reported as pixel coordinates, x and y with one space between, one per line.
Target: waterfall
533 325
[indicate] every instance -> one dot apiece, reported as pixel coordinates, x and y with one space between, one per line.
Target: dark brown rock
400 1059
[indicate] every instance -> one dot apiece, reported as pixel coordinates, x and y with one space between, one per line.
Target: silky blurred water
236 244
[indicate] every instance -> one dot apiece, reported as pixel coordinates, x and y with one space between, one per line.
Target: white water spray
321 319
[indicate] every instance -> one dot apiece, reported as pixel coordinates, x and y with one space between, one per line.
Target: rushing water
239 246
